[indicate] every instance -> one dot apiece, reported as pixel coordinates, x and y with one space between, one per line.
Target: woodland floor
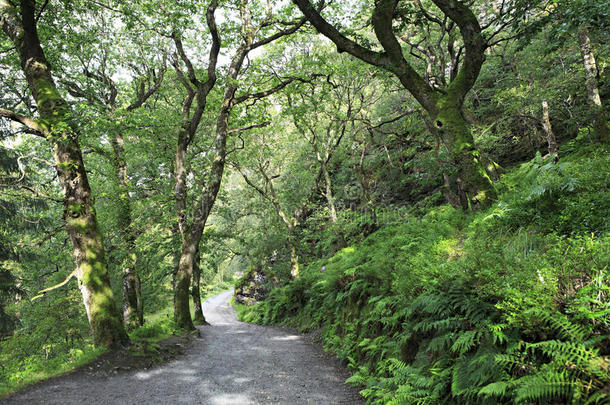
231 363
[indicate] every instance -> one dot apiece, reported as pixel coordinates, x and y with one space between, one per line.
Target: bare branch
235 130
145 95
56 286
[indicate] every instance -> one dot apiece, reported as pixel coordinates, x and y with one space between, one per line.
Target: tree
467 179
565 20
253 34
600 127
56 125
323 112
92 82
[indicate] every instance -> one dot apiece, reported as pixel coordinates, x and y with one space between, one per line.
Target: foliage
425 304
427 310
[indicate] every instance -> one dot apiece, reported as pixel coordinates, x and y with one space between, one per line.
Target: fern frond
498 389
465 341
543 386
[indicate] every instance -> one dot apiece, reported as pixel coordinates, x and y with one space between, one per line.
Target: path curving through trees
232 363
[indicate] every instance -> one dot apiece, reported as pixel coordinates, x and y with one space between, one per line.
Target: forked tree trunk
467 177
198 318
79 213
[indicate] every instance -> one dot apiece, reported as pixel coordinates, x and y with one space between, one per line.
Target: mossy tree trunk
132 302
57 126
467 184
133 313
182 282
198 318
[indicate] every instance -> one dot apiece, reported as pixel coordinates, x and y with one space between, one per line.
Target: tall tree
468 179
56 124
254 33
147 84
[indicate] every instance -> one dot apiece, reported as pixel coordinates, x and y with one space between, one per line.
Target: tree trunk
294 260
81 222
466 177
182 282
330 199
133 314
600 125
198 319
548 129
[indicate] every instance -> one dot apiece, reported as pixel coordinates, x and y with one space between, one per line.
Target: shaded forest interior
422 183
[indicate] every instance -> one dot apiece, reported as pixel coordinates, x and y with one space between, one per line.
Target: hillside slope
509 305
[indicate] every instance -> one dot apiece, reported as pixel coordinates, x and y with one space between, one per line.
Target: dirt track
232 363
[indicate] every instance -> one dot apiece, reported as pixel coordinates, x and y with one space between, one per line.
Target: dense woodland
421 183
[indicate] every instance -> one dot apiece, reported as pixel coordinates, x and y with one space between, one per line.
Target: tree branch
56 286
235 130
343 43
33 126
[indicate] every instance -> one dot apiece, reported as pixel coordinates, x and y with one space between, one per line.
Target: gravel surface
232 363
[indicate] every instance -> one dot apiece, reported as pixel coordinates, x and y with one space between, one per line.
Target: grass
34 372
158 326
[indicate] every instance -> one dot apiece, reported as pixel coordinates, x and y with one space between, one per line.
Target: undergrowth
509 305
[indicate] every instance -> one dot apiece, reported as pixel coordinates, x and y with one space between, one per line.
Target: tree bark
328 193
133 313
182 282
469 182
294 259
548 129
600 125
198 318
79 212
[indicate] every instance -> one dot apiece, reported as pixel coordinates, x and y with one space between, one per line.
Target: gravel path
232 363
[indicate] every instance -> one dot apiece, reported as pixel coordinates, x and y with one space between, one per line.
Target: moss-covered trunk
467 184
198 318
133 313
79 213
182 283
81 224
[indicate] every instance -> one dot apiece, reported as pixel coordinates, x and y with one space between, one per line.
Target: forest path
232 363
